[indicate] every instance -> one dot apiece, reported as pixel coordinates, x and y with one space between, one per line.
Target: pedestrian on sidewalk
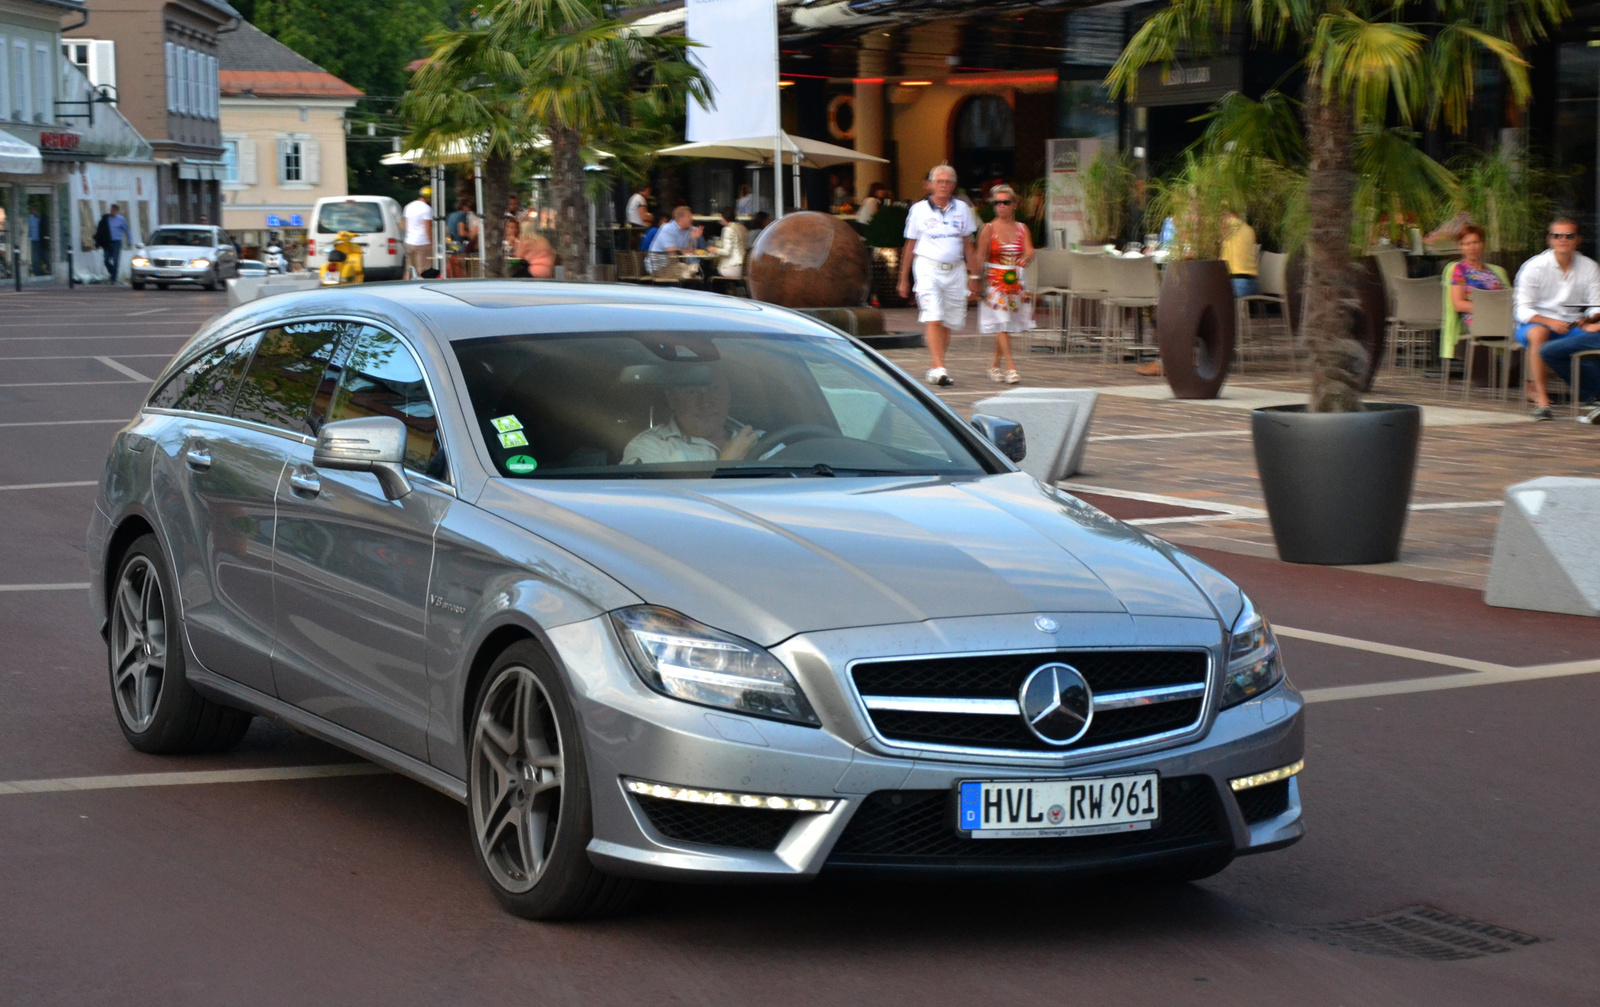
941 254
418 216
109 236
1005 304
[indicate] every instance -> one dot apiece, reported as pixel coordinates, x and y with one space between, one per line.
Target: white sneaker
1592 417
939 376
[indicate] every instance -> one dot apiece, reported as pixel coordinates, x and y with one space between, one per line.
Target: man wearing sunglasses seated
1557 295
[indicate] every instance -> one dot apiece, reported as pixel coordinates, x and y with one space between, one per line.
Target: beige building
283 135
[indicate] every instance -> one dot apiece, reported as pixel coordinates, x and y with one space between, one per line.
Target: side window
379 377
290 366
208 383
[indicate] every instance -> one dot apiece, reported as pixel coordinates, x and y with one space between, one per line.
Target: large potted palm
1337 472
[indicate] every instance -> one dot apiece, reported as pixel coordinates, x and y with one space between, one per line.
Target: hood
770 558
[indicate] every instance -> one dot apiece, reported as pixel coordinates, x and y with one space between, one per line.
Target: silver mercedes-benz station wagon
670 585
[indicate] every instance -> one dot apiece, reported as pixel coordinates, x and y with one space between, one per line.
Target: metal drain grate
1420 932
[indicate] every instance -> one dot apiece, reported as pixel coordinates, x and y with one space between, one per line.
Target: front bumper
171 274
904 798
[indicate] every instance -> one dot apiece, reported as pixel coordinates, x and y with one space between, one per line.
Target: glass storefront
39 253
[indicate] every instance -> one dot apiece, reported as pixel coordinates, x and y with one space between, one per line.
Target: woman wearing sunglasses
1005 303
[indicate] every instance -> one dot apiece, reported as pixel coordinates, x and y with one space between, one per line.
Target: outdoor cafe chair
1090 278
1493 328
1273 276
1391 266
1415 319
1133 284
1050 275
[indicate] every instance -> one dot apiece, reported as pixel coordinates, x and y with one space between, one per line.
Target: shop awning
202 171
18 157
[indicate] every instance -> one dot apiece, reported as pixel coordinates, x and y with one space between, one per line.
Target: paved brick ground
1145 442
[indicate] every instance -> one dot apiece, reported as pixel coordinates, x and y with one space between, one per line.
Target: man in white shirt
1557 296
699 431
418 216
637 203
940 252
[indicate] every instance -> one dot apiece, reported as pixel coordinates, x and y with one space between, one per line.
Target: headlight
199 263
139 260
681 658
1254 665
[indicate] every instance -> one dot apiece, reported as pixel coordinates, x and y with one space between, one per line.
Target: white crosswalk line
123 369
194 778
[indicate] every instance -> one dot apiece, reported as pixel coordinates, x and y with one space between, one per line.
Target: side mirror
375 444
1004 434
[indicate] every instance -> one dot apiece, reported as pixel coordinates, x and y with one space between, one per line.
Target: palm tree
1368 63
590 80
470 90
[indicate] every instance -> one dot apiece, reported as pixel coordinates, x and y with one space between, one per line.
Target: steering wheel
784 435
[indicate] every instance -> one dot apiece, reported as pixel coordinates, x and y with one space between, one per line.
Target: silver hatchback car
670 585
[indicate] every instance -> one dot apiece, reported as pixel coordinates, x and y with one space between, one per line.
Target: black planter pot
1337 485
1194 327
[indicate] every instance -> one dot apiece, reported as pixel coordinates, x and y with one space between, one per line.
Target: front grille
717 825
1266 801
169 263
1000 677
900 828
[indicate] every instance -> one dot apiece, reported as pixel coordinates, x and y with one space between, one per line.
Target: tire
211 281
135 284
156 707
161 286
528 804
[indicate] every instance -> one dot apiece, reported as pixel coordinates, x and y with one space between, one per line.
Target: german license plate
170 272
1014 809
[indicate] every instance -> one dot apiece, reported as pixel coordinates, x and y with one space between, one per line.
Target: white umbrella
457 152
812 153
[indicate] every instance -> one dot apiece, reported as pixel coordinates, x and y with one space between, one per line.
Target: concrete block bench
1547 547
1055 422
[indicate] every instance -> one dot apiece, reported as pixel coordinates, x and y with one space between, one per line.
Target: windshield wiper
769 471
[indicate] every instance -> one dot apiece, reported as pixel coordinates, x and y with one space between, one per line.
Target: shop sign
1191 82
295 220
59 141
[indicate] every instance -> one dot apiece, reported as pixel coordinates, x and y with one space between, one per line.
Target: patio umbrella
797 151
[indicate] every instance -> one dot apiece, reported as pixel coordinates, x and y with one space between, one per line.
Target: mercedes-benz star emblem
1045 624
1056 704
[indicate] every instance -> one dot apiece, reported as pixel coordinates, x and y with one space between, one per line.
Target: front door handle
305 480
199 457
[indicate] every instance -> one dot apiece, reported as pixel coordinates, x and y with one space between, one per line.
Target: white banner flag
738 49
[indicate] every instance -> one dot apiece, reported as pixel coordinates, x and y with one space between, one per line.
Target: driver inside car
700 429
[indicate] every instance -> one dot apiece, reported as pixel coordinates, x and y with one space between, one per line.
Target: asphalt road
1437 776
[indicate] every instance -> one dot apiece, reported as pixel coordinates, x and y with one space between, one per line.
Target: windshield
355 216
196 237
677 405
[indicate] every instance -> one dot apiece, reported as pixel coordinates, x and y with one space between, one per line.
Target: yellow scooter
344 262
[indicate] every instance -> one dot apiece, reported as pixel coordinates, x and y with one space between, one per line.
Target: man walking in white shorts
940 253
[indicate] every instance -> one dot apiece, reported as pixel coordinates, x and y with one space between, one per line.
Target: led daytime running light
1270 776
769 802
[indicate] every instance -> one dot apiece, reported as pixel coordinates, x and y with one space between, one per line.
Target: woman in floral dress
1006 304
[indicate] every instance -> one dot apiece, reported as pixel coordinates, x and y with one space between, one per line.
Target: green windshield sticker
521 464
514 439
506 424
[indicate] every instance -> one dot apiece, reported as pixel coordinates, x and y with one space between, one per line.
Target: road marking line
81 356
12 588
1164 437
1388 649
48 486
59 423
1232 510
1143 521
1441 682
189 779
1458 505
57 339
65 384
148 311
123 369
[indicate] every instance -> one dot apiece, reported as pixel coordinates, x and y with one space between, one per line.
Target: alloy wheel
138 643
517 772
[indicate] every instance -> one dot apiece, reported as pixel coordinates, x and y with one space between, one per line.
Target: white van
379 230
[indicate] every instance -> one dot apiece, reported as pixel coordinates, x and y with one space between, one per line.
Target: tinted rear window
290 373
358 216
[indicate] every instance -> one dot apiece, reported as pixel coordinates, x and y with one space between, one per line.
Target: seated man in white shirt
699 431
1557 294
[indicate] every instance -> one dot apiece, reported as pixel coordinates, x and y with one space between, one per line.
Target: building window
292 162
5 80
172 77
42 92
230 160
21 99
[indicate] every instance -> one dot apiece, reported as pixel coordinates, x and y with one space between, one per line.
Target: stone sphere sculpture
810 260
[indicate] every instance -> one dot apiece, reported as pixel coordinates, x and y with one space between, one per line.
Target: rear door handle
199 457
305 480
